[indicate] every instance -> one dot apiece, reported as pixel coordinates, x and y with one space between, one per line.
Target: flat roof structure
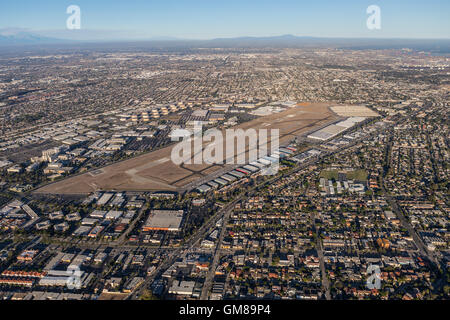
257 164
89 221
228 177
286 150
335 129
327 133
185 288
97 214
221 181
164 220
213 184
237 174
81 231
204 188
200 113
113 215
271 159
104 199
264 161
251 168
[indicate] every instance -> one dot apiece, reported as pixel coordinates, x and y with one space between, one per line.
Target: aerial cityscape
346 198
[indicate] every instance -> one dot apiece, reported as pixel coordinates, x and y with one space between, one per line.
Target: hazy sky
204 19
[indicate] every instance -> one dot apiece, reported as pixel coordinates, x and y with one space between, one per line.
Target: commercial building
204 188
185 288
164 220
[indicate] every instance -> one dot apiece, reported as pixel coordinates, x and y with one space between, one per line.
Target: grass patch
360 175
329 174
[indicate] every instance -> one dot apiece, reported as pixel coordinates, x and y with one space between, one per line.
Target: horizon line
169 38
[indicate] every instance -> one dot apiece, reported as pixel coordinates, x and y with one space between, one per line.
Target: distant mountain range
24 37
11 37
15 36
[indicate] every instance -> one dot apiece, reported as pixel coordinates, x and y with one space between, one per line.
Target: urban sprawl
89 195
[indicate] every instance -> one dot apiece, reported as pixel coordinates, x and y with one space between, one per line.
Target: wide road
217 254
325 280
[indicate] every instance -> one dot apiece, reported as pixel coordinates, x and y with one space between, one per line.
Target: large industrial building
164 220
334 130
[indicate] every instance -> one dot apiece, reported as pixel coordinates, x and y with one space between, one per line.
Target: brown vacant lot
156 172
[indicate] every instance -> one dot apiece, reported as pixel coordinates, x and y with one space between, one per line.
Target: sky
208 19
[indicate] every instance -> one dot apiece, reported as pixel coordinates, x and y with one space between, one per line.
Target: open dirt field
354 111
156 172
